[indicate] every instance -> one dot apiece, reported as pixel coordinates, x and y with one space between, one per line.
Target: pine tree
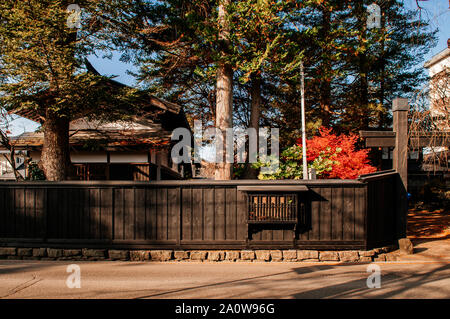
42 65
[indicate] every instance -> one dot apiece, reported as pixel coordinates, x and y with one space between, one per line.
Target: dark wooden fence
334 214
384 210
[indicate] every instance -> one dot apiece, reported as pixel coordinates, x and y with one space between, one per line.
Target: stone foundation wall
378 254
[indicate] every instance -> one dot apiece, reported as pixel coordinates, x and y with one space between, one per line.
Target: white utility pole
305 165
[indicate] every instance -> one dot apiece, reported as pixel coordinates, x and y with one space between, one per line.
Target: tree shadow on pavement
393 284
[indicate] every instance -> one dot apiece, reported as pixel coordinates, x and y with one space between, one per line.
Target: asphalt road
47 279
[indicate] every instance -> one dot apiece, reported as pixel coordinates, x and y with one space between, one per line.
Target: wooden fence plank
118 213
186 218
348 216
129 213
11 220
95 218
41 220
106 195
209 211
140 212
52 213
4 212
337 209
316 198
360 200
30 213
230 216
161 220
241 214
20 211
325 214
173 211
151 214
63 211
220 207
197 213
86 214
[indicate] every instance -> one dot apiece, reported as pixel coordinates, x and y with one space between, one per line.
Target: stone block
39 252
7 251
98 253
366 253
139 255
25 252
391 257
290 255
247 255
119 254
181 254
348 256
328 256
72 252
54 253
365 259
405 245
276 255
232 255
161 255
216 255
198 255
262 255
307 254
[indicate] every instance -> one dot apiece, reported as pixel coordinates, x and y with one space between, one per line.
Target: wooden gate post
400 127
400 160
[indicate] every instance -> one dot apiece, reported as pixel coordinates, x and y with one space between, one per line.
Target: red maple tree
349 162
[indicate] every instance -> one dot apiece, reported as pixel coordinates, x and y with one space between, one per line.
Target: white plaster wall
438 67
88 157
128 157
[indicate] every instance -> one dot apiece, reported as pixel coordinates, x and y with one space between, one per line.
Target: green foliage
352 73
291 167
34 172
43 60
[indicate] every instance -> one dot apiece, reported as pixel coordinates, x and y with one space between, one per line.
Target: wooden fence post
400 160
400 127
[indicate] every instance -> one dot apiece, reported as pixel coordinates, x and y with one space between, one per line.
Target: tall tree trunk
325 85
381 114
256 101
363 70
224 94
55 157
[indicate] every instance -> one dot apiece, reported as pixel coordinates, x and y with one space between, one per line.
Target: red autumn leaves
349 163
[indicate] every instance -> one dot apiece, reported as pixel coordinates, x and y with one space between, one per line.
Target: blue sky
437 11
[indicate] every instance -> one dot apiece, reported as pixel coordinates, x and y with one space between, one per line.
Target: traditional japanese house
134 149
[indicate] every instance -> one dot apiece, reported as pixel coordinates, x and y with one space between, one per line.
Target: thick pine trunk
325 85
55 157
381 114
363 85
256 101
224 113
224 94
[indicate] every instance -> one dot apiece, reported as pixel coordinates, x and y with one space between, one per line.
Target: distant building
439 95
439 70
6 170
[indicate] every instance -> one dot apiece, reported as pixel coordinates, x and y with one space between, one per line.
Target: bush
35 173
